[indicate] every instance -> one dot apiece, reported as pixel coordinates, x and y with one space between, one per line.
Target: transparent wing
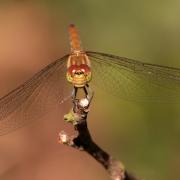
34 98
134 80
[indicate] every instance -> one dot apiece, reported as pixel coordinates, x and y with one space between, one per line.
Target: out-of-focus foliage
144 135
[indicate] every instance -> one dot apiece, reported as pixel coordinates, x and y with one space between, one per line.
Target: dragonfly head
79 75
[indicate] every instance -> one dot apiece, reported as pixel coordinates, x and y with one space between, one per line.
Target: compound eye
84 68
72 69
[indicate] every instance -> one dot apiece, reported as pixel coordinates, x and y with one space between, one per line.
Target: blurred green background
144 136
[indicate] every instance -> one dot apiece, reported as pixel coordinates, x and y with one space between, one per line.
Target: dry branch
83 141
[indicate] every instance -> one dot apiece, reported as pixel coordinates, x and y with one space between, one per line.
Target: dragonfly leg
80 107
85 90
89 92
74 93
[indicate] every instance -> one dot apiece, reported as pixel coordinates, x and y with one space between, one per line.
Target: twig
85 142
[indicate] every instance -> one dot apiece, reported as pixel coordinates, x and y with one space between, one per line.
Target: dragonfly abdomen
74 38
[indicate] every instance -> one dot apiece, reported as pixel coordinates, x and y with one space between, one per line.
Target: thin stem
83 141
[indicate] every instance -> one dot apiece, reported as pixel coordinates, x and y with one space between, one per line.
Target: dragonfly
121 77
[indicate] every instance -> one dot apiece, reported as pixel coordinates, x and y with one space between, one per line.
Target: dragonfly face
78 71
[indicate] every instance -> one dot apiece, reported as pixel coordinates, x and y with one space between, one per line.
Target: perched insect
78 64
119 76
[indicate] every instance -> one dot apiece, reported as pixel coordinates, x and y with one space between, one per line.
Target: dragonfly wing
34 98
134 80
